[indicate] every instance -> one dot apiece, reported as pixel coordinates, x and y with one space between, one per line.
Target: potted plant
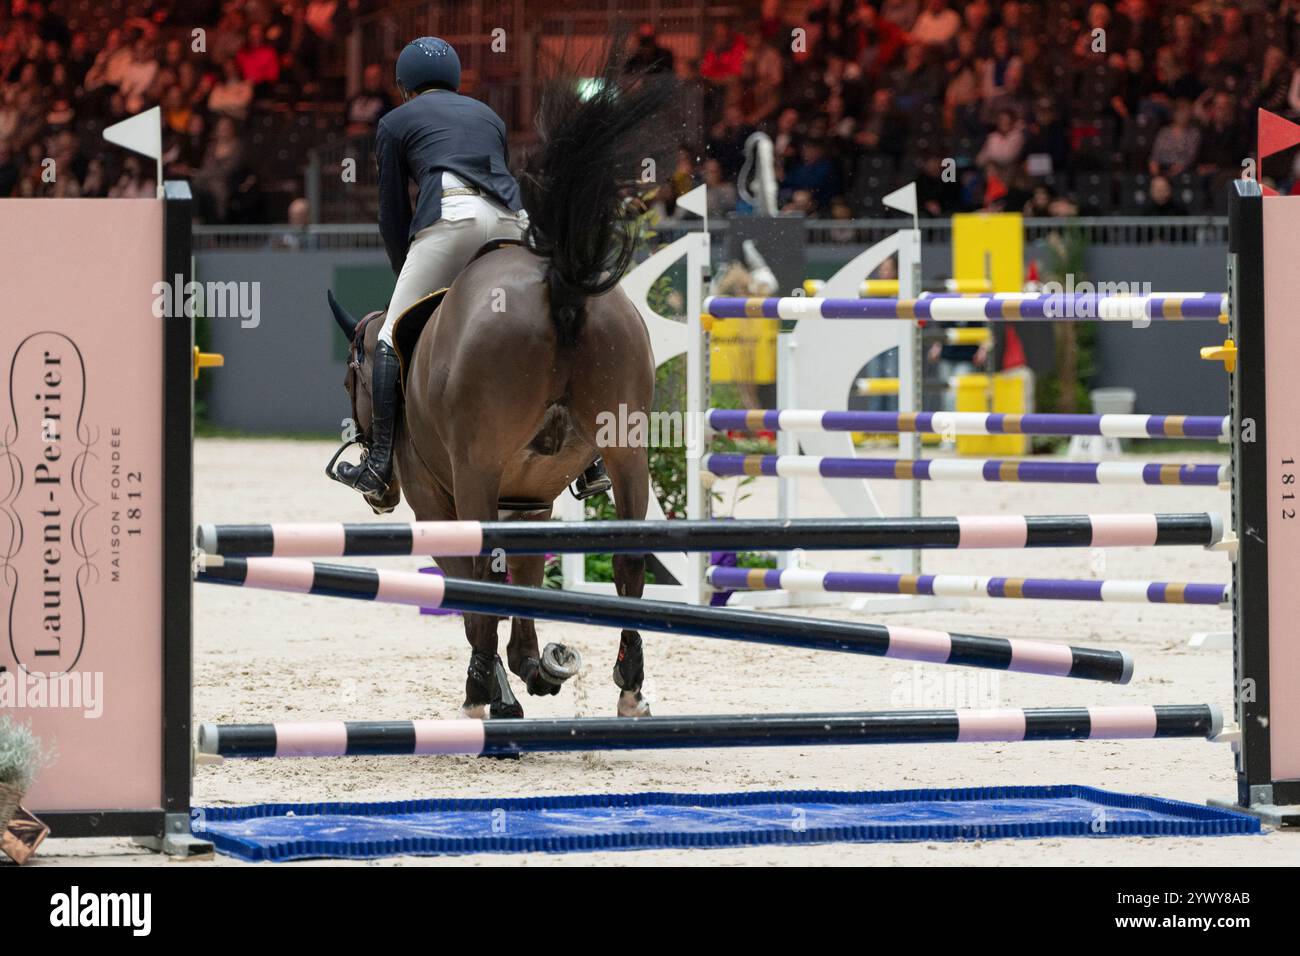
20 758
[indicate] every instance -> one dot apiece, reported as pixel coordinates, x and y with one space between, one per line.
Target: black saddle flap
409 325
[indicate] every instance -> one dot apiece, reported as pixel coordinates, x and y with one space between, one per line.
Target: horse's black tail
595 137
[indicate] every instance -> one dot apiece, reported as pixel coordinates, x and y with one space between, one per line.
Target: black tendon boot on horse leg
504 703
370 476
480 685
629 674
629 669
483 690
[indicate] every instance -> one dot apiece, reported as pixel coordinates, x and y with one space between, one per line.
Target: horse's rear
501 410
493 395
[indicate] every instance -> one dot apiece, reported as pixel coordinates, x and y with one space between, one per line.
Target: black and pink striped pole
467 538
477 597
405 738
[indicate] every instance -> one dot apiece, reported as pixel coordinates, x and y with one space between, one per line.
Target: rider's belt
461 191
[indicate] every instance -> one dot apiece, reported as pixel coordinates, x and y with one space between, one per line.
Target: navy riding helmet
428 61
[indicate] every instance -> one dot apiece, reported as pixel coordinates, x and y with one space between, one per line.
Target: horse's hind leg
628 469
476 491
542 672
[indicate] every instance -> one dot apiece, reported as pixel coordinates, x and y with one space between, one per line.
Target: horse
506 386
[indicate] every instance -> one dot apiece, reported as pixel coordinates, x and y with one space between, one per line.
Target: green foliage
21 754
667 462
600 567
553 576
666 294
1067 255
1066 389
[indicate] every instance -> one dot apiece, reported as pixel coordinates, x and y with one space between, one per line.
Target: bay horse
505 384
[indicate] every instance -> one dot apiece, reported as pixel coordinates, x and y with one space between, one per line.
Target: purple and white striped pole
468 538
1002 307
477 597
337 738
966 469
967 586
970 423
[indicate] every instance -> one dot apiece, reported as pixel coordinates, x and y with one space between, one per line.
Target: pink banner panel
81 492
1282 348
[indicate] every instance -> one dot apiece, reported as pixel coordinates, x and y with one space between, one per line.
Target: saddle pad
410 325
280 832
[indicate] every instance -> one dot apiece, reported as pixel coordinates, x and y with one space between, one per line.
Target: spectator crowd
1053 107
240 85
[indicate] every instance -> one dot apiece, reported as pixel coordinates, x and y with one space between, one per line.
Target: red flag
1013 352
1275 135
994 189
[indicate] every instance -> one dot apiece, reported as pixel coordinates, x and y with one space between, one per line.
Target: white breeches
439 252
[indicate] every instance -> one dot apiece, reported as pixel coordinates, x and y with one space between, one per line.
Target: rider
454 148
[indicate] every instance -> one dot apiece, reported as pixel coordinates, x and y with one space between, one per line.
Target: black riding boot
592 482
370 475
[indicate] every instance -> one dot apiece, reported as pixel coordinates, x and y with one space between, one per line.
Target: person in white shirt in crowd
936 25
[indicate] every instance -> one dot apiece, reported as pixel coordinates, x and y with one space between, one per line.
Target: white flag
903 199
141 133
695 201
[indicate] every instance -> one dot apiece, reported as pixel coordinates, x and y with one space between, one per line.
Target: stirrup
367 480
363 468
584 488
330 466
592 490
373 498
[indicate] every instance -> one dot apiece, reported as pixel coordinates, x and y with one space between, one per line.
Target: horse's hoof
473 711
559 662
632 704
503 711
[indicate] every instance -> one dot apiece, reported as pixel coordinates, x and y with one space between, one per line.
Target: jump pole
1005 307
477 597
967 469
969 586
874 288
971 423
405 738
469 538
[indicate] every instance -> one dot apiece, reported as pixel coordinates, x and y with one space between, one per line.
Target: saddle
408 326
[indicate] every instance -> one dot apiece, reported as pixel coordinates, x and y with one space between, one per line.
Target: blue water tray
637 821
